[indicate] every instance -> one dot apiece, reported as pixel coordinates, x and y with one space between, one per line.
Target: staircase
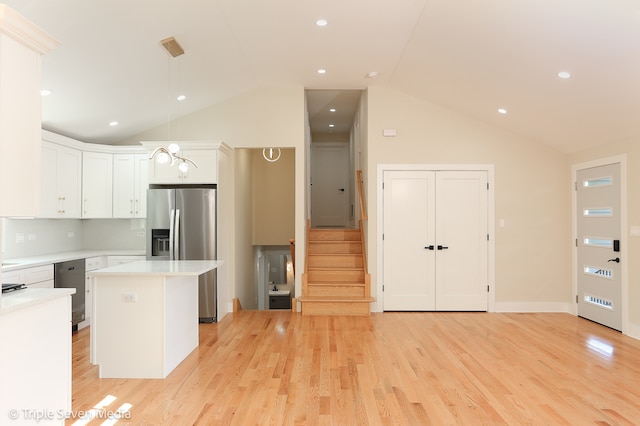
335 281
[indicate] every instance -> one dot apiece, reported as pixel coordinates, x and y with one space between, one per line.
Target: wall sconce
164 155
271 154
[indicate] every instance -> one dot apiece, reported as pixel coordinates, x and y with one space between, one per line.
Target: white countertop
46 259
160 267
25 298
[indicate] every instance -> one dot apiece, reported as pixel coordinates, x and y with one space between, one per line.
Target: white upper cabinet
204 154
97 185
21 46
130 183
61 181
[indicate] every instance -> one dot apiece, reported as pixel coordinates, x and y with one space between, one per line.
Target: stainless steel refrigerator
181 225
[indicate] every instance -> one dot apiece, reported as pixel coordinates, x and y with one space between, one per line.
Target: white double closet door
435 246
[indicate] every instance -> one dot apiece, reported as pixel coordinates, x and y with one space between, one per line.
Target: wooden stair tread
337 283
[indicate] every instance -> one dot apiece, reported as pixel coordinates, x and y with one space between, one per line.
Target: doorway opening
334 156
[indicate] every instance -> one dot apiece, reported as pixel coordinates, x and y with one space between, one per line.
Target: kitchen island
145 316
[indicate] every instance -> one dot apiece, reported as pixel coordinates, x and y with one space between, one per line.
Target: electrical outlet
20 238
140 234
129 297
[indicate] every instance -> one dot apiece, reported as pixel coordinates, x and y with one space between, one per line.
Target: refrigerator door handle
171 233
176 232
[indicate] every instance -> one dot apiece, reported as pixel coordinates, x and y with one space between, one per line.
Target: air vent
171 45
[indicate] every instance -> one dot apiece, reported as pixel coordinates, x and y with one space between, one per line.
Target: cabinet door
97 185
123 185
49 203
164 173
69 181
207 170
141 184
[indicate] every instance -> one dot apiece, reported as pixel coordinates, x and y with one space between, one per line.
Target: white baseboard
533 307
633 330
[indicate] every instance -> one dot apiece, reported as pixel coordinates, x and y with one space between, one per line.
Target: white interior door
435 246
461 218
330 185
409 231
598 223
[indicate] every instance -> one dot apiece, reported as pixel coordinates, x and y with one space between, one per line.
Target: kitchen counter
145 316
30 297
46 259
160 268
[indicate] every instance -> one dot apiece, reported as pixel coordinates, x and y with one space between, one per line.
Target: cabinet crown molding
24 31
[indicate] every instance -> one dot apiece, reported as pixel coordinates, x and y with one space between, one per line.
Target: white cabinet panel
206 172
61 181
130 183
97 185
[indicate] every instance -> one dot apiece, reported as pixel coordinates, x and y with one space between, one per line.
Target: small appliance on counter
7 288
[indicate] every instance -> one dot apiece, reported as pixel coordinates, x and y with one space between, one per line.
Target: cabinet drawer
38 274
93 263
14 277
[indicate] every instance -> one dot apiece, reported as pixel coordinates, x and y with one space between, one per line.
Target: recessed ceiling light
332 125
564 74
113 124
321 71
372 74
332 110
181 97
321 22
45 92
502 110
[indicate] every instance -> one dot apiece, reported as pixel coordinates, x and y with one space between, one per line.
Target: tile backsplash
34 237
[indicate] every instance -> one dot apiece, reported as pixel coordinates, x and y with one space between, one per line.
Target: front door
598 222
435 244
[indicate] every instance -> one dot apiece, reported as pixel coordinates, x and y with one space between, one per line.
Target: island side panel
127 323
181 314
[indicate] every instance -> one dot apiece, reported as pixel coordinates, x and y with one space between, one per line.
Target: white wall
533 250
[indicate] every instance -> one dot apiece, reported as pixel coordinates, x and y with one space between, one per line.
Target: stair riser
335 276
333 308
325 290
333 235
330 261
335 248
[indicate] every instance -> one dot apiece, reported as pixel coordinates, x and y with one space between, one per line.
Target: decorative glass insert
598 272
598 242
603 211
598 301
595 182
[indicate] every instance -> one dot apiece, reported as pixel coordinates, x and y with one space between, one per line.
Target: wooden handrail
363 212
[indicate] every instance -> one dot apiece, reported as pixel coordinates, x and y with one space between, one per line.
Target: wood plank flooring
278 367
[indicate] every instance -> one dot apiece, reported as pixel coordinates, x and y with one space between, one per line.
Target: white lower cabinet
91 264
36 277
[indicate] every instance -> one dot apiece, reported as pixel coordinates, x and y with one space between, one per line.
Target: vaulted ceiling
473 57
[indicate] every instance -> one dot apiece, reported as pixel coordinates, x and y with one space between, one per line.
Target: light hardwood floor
275 367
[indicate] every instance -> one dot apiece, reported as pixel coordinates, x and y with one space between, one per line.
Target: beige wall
632 150
273 190
532 195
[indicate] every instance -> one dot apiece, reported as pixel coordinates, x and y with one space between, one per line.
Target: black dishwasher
70 274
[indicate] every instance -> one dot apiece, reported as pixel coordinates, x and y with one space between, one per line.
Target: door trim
624 241
491 269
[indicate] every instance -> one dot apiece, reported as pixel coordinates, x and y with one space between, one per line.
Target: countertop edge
159 268
29 297
47 259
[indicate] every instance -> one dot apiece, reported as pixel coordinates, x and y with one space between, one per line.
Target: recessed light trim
45 92
332 110
332 125
502 110
372 74
113 123
564 74
322 71
181 97
322 22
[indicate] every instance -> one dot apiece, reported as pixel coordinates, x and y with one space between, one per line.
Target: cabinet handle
137 206
85 206
131 209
